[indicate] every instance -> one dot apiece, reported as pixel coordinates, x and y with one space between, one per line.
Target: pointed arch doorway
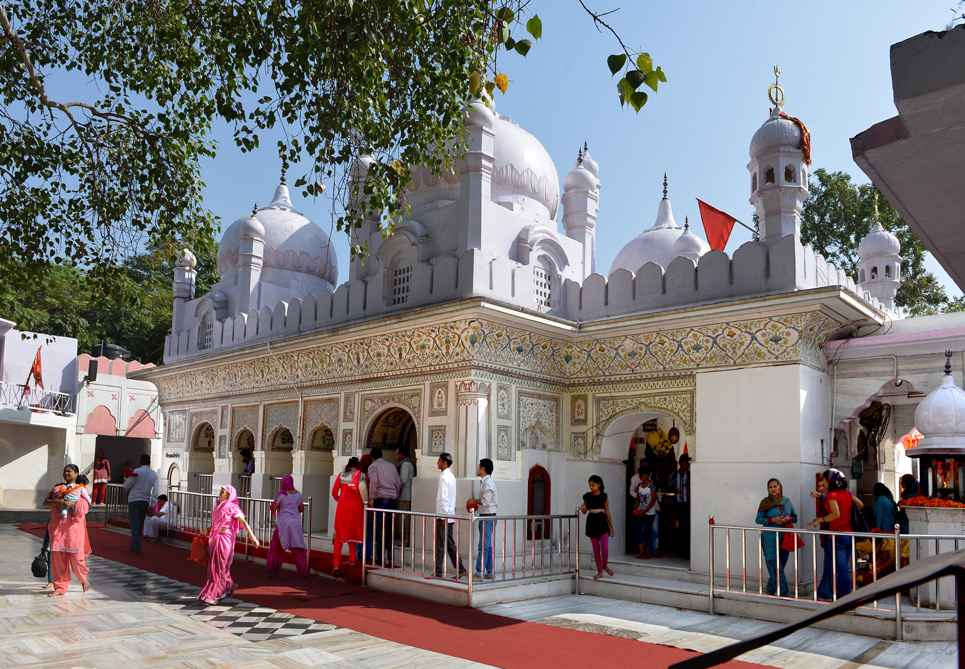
391 430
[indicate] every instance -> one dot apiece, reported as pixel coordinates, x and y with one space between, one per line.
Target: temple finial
579 157
586 146
254 209
948 363
775 92
686 223
664 185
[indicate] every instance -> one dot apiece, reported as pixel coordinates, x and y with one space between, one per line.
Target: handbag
791 542
38 567
199 550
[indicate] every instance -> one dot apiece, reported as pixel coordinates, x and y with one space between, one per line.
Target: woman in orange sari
69 543
348 490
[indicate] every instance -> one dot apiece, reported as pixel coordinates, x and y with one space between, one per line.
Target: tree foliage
838 214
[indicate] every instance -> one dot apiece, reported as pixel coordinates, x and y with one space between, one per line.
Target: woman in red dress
348 490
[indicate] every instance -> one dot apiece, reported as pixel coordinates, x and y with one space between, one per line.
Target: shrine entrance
391 430
655 441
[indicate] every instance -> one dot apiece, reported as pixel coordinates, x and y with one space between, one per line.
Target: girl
226 520
348 491
102 476
599 524
288 534
775 510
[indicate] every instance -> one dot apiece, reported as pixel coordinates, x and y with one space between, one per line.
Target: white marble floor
115 627
703 632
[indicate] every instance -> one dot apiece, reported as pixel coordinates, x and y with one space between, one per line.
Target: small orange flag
685 450
717 225
36 371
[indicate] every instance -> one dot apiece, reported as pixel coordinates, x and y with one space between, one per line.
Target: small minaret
780 155
581 202
879 262
184 278
251 258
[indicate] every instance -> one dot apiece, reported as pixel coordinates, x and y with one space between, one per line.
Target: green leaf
504 33
510 43
661 75
644 63
616 62
637 100
635 77
652 80
523 46
505 14
535 26
625 88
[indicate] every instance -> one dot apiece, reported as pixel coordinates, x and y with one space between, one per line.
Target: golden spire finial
875 217
775 92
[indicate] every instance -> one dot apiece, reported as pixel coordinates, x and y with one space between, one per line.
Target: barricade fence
820 565
190 513
514 547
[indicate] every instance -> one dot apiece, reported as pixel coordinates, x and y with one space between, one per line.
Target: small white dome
879 242
941 418
580 177
187 260
690 245
776 132
654 245
292 242
589 163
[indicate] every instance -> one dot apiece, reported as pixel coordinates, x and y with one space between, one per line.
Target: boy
647 508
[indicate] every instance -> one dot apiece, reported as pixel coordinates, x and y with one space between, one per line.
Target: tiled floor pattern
247 620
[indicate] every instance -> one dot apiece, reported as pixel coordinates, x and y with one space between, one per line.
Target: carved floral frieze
513 350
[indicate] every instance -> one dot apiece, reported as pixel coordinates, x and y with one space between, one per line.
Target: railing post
576 543
898 624
308 551
711 573
365 513
471 567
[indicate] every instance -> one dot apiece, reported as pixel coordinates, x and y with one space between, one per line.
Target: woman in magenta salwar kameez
226 520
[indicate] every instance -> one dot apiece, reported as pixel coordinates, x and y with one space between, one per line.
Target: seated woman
157 518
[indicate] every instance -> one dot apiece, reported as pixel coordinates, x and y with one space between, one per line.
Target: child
647 508
72 493
599 524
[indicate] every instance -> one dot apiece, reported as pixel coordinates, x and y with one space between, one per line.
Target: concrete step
8 515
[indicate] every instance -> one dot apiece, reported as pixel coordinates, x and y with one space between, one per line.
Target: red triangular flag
717 225
685 450
36 371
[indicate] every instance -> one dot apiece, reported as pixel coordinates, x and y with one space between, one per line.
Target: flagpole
746 227
30 372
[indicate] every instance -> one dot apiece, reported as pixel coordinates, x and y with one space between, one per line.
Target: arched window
754 182
888 271
538 502
322 440
544 280
788 174
769 175
205 329
874 272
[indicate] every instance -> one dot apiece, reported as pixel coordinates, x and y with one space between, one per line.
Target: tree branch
598 21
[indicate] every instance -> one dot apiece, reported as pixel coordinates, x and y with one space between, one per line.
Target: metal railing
413 543
202 483
191 514
244 485
19 396
863 557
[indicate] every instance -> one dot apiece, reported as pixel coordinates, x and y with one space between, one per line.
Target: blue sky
718 58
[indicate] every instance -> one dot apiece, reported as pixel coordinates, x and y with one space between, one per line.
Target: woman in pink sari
69 543
226 520
288 534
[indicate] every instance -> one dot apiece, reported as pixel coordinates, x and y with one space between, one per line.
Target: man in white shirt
141 488
446 506
487 506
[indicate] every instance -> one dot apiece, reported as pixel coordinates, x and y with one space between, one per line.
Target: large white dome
292 243
523 172
654 245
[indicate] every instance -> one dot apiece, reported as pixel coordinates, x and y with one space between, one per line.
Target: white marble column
261 479
472 437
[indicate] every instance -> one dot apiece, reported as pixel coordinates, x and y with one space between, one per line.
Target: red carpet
456 631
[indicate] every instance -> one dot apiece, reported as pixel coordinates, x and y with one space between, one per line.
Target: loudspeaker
91 371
